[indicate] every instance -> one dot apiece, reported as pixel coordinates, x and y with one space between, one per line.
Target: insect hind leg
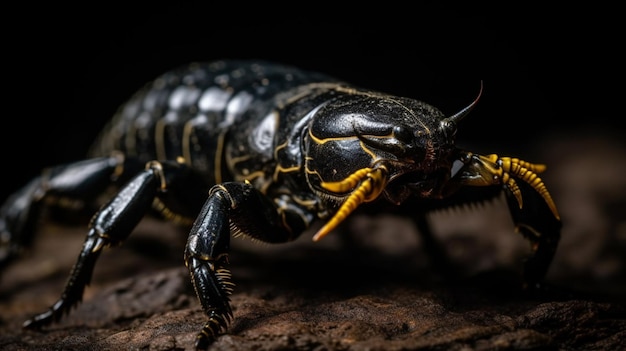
110 226
70 185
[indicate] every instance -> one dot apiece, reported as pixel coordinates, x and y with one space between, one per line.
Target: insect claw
526 171
372 183
515 190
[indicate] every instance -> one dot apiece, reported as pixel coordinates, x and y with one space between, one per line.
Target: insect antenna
455 118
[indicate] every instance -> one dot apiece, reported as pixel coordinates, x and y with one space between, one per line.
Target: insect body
264 150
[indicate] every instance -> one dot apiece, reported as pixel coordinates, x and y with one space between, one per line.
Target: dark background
553 92
545 71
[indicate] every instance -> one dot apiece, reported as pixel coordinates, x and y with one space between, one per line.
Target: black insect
265 150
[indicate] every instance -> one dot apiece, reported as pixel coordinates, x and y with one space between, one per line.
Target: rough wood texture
374 289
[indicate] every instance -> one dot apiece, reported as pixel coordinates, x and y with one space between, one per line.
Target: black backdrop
545 71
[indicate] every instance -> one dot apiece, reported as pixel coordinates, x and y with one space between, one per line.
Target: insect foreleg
532 208
536 222
245 210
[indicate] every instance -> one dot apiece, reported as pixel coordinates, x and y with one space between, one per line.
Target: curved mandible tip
459 115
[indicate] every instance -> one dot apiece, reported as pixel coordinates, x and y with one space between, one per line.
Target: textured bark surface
372 289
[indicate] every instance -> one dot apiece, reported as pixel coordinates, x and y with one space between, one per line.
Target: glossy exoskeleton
265 150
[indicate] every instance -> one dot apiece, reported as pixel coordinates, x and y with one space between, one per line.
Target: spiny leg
533 211
240 207
109 226
536 223
532 208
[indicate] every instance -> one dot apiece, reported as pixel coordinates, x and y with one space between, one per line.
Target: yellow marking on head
325 140
368 151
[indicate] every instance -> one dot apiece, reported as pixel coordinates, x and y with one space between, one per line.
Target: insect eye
448 128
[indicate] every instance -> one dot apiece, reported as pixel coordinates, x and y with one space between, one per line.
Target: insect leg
536 223
437 254
533 211
67 185
243 209
109 226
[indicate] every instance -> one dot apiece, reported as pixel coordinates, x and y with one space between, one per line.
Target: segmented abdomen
188 111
